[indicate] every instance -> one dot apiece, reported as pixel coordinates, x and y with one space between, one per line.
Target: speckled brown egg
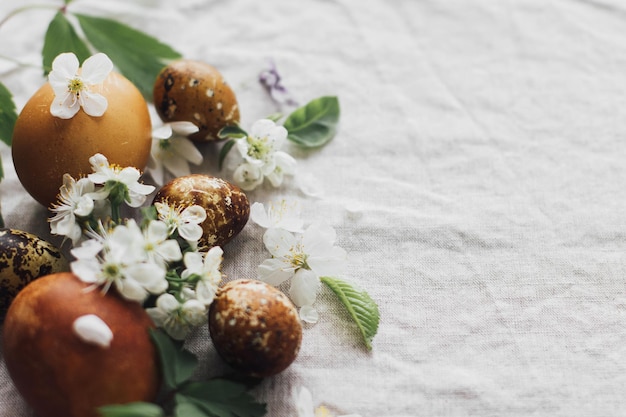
23 258
226 206
196 92
255 328
60 374
45 147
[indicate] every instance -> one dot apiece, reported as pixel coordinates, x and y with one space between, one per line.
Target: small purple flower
271 80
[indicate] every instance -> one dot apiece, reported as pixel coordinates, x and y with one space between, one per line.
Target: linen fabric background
477 182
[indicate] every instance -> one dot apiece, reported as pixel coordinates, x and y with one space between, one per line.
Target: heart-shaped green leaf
315 123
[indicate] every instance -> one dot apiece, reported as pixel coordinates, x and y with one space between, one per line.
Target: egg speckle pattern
23 258
255 328
226 206
195 92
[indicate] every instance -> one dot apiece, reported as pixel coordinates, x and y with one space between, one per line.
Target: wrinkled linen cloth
477 182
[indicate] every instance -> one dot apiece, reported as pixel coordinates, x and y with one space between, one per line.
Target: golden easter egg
60 373
45 147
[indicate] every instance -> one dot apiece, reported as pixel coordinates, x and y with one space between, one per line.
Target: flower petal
279 242
193 262
304 402
304 287
61 109
86 270
190 232
167 302
309 314
318 239
184 128
84 206
259 215
149 276
92 329
162 132
157 231
177 165
274 272
331 264
186 148
262 128
65 65
170 251
193 214
96 68
94 104
213 258
131 290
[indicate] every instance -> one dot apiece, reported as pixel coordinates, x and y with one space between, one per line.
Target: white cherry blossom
207 269
278 215
262 157
177 318
158 248
74 202
186 220
313 250
248 176
74 88
303 259
119 259
111 175
172 151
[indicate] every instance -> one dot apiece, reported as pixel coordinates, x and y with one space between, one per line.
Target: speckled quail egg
226 205
255 328
23 258
196 92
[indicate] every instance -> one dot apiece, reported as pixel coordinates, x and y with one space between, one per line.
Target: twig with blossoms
303 257
172 151
261 154
158 256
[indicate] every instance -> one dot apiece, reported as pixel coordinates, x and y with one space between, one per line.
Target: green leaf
220 398
139 56
177 364
360 305
224 151
8 115
137 409
61 37
315 123
188 409
232 132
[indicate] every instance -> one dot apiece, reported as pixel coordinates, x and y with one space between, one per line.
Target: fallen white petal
92 329
308 314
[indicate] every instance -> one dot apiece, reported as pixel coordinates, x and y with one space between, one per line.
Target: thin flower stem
115 212
27 8
19 63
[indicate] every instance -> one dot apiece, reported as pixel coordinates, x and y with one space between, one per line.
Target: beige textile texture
477 182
